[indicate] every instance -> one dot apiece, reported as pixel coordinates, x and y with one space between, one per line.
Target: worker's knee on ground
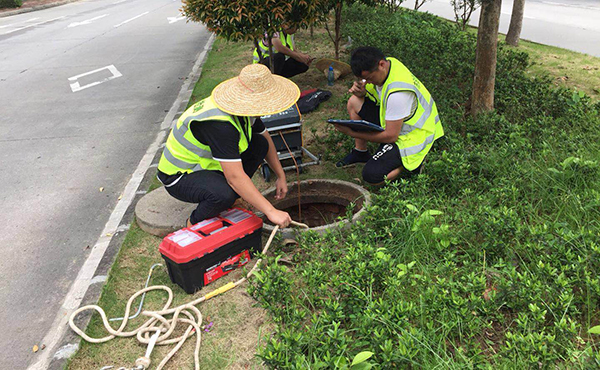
372 175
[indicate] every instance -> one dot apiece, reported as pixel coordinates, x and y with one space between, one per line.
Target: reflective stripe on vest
287 41
184 153
423 127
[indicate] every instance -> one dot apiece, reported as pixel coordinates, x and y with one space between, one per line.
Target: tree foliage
252 20
463 9
245 20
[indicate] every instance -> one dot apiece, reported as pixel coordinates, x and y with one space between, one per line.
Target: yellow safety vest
286 40
183 153
421 129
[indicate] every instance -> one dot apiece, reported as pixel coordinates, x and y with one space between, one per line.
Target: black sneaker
355 156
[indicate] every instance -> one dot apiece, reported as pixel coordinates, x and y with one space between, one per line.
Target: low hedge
489 259
10 3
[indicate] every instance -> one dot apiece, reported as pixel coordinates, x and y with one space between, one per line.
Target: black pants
210 188
286 68
387 158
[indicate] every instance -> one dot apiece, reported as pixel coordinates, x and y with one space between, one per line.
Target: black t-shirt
222 138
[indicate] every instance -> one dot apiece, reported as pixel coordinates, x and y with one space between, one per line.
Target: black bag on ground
311 100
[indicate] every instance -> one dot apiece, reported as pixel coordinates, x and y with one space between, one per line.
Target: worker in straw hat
219 142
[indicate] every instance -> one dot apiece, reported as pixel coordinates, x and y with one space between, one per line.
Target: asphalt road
84 88
569 24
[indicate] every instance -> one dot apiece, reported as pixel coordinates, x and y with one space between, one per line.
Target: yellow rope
186 313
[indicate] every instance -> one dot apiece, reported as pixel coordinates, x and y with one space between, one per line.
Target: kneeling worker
219 142
389 95
287 62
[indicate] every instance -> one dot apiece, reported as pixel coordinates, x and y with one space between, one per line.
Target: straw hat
340 69
255 92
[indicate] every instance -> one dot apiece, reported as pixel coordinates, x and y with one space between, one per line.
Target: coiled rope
187 314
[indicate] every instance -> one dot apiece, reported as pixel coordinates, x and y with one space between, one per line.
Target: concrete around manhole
325 197
160 214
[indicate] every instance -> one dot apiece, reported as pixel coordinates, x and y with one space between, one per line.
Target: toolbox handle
208 229
214 227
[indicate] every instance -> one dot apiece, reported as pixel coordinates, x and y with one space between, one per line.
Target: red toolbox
212 248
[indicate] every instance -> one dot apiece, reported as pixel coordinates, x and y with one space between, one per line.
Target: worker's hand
280 218
310 59
344 129
281 188
303 58
358 88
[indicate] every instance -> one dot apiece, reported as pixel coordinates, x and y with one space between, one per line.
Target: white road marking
87 271
14 24
33 25
129 20
119 2
75 84
175 19
88 21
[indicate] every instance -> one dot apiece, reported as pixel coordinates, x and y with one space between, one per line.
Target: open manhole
322 202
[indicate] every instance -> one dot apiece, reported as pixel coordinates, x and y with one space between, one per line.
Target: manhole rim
366 195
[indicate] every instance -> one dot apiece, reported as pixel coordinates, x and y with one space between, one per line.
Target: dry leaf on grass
287 242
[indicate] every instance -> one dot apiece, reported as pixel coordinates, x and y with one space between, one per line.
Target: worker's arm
389 135
273 161
280 48
244 187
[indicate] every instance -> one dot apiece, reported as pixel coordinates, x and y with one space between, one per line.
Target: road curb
61 342
34 8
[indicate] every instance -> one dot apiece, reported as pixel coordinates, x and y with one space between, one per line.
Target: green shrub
489 259
10 3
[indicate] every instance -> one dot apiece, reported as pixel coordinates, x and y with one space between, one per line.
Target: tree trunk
516 23
482 99
338 23
271 59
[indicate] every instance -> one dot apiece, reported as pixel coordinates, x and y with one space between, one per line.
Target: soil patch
317 214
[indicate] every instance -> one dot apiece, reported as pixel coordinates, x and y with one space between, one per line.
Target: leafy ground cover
488 259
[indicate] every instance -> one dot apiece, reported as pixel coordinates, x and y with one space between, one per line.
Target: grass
240 327
567 68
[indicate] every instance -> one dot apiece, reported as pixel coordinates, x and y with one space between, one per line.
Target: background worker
288 62
389 95
219 142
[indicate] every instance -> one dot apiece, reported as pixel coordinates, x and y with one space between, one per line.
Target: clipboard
357 125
